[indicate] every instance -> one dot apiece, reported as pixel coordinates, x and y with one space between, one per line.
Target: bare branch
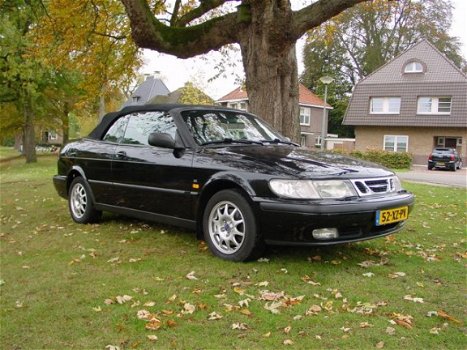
148 32
173 19
119 37
204 7
317 13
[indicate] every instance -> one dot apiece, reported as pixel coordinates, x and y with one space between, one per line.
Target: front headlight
395 184
307 189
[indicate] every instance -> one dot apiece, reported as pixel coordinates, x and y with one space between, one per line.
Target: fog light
325 233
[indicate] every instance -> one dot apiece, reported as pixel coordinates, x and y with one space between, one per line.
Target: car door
152 179
95 158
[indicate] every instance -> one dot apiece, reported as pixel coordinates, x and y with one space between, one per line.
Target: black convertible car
229 176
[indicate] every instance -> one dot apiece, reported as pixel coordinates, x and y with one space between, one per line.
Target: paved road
437 177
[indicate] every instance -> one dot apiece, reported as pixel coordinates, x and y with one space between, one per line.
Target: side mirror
164 140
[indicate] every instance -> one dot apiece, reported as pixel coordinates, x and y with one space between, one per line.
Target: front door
152 179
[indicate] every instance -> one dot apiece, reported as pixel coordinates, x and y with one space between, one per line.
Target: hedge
393 160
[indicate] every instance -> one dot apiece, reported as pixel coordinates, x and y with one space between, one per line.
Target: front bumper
285 223
61 185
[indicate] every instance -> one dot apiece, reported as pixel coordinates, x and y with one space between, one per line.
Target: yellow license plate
389 216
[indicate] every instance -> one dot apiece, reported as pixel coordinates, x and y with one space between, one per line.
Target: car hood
282 160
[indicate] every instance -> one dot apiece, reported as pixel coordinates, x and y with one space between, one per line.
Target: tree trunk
65 123
270 65
101 105
29 136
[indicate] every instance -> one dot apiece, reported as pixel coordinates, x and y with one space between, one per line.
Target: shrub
394 160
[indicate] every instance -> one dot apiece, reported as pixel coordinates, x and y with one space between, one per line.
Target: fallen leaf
239 326
345 329
19 304
97 309
245 312
188 309
431 313
262 284
414 299
271 296
287 342
380 345
390 330
284 271
368 274
365 325
116 259
435 330
273 307
244 302
123 299
150 303
287 329
396 275
297 317
265 260
239 290
267 335
444 314
154 324
191 276
313 310
143 315
152 337
173 297
214 316
112 347
109 301
171 323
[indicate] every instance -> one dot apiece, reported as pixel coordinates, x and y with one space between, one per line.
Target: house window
305 116
396 143
232 105
385 105
136 98
303 140
318 141
413 67
243 106
52 135
434 105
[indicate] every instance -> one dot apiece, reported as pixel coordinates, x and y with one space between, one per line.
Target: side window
142 124
116 131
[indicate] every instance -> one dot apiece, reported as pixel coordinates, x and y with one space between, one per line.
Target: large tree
266 31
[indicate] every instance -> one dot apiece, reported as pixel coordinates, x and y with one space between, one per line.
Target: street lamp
326 80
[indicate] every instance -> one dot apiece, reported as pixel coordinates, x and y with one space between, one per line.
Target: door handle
120 154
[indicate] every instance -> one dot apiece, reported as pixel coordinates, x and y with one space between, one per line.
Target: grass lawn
8 152
65 285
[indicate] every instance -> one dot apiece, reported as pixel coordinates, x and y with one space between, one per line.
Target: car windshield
443 150
211 127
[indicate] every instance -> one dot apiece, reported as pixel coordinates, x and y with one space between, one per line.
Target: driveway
420 173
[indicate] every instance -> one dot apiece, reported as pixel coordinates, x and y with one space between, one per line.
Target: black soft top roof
109 118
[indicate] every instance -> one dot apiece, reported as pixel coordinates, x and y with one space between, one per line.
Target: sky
175 72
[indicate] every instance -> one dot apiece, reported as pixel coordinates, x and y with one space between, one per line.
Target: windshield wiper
229 140
277 141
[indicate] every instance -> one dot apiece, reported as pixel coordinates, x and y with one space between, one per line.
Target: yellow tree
93 38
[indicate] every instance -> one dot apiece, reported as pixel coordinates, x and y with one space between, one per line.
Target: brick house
311 112
413 103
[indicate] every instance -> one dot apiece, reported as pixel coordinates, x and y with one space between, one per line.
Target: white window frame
53 136
395 142
303 140
232 105
434 105
385 101
306 113
459 142
318 141
441 141
413 67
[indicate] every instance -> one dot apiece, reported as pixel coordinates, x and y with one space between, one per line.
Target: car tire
453 167
230 227
430 167
80 202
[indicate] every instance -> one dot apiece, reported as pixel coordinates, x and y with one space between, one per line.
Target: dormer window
136 98
413 67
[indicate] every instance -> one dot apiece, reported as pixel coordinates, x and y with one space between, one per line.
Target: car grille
367 187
